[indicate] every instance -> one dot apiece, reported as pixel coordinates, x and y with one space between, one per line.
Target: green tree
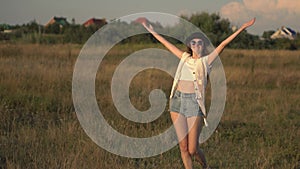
54 28
268 34
212 25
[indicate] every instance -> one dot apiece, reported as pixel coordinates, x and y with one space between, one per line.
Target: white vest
200 72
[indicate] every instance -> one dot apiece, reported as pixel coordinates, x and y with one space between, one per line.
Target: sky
270 14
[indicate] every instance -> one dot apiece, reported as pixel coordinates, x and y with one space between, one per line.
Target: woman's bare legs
181 127
195 126
188 131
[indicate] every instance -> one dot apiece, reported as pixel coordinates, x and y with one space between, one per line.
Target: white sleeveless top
186 72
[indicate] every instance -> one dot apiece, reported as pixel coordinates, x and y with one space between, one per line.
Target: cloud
292 5
270 14
235 11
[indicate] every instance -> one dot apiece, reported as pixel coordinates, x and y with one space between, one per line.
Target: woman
187 95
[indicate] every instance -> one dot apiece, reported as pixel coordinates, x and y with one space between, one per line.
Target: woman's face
197 45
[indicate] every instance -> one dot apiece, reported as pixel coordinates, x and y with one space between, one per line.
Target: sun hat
197 35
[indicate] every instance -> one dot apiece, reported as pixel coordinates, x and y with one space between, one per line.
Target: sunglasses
199 43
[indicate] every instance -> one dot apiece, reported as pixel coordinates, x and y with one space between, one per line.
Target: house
60 20
284 32
96 22
5 28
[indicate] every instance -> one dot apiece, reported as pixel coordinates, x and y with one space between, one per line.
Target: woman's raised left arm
224 43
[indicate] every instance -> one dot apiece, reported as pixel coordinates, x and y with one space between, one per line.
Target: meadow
260 127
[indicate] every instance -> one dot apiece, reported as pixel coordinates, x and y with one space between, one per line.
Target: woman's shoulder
185 55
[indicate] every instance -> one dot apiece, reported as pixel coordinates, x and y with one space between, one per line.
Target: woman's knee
192 150
183 146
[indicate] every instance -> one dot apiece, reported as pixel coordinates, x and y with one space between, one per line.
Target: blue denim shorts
185 104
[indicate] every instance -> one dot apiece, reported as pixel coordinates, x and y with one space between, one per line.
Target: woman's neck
196 55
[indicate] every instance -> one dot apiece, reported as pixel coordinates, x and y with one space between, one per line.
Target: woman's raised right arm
224 43
177 52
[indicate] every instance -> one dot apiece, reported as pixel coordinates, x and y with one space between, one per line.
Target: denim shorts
185 104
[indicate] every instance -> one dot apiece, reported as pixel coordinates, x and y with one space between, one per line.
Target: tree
268 34
212 25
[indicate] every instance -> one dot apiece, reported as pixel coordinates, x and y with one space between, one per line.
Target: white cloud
270 14
235 11
292 5
263 6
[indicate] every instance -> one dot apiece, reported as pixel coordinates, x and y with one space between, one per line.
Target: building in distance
284 32
95 22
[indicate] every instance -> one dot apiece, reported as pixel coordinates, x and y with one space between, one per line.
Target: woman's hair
197 35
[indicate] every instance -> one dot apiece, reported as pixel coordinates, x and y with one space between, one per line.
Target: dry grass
39 129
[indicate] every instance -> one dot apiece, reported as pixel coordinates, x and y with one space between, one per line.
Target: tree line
215 27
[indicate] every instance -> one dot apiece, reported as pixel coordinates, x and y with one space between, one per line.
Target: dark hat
197 35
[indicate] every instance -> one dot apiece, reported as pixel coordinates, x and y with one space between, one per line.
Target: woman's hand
149 27
248 24
177 52
144 21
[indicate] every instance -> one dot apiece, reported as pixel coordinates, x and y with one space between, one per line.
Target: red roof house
60 20
96 22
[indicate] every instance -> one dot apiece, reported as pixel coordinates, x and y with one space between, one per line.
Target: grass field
260 127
